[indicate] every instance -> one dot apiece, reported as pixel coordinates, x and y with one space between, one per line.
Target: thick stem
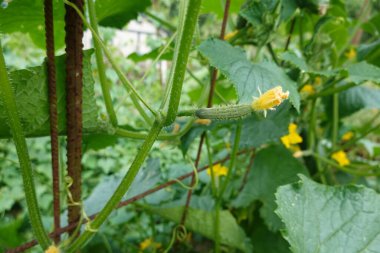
74 85
186 30
52 87
101 68
122 188
8 98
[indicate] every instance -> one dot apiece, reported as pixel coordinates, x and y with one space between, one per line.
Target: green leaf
301 64
262 15
98 141
10 233
153 54
266 241
30 17
147 177
363 71
257 130
217 7
31 92
116 13
326 219
288 8
272 167
247 77
358 98
370 52
202 222
27 16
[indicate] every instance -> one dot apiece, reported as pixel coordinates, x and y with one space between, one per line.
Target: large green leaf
358 98
247 77
258 130
202 222
27 16
327 219
30 86
272 167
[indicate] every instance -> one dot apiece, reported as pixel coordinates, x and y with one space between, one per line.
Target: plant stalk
184 41
101 67
9 102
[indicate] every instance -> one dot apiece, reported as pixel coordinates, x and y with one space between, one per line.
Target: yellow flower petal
218 170
308 89
347 136
52 249
286 141
203 121
146 243
292 128
230 35
351 54
341 157
270 99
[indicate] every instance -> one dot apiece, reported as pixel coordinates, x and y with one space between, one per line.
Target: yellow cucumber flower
218 170
292 138
347 136
351 54
269 100
308 89
146 243
341 157
149 243
52 249
230 35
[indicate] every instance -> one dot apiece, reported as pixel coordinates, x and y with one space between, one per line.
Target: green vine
8 98
188 20
101 68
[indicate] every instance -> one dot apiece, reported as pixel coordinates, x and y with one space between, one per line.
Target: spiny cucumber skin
232 112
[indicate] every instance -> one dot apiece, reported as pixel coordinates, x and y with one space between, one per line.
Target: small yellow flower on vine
351 54
318 80
269 100
341 157
230 35
347 136
52 249
292 138
308 89
218 170
203 121
146 243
